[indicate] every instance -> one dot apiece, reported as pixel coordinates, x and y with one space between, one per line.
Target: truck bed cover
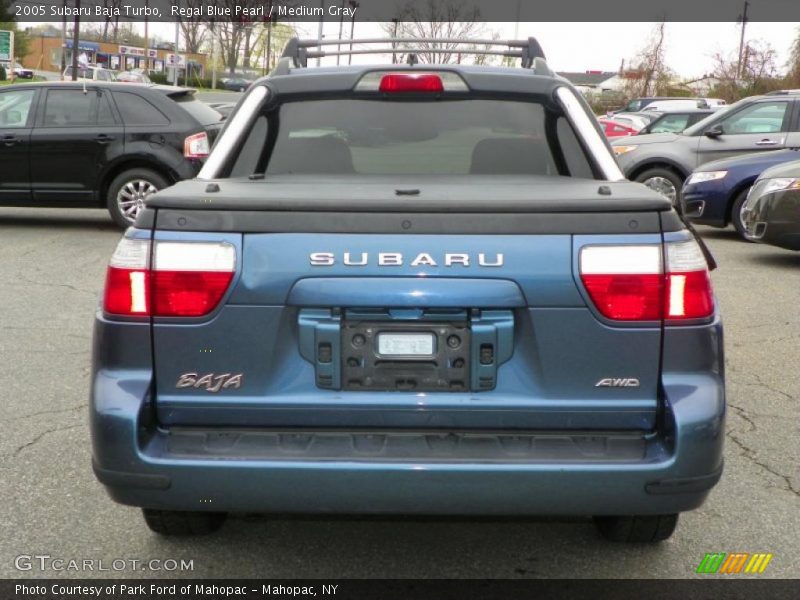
461 194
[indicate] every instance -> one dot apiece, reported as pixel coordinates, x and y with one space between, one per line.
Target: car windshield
445 137
633 106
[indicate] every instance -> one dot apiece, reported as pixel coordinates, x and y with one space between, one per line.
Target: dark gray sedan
772 211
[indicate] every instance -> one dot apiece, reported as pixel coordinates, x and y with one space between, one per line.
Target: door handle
104 139
10 140
767 143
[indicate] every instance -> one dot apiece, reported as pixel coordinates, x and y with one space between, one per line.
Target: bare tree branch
419 19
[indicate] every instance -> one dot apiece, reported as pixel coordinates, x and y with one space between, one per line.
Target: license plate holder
405 344
405 356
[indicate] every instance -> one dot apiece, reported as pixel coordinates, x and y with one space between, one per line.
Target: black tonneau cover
420 194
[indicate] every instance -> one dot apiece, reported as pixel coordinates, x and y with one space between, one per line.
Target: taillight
624 282
128 279
196 146
689 294
631 283
184 279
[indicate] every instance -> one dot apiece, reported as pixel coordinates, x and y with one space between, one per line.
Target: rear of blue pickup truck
407 291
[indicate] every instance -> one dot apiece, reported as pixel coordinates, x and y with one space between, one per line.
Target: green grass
20 80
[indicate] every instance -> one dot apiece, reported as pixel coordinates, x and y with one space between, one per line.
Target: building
595 82
45 55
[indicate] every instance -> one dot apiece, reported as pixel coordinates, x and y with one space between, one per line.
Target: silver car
662 161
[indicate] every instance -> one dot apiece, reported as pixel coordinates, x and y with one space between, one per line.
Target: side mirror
714 131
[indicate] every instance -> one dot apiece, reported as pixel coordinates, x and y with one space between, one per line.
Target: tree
281 33
648 74
232 33
420 19
113 6
6 14
7 18
193 30
758 72
793 76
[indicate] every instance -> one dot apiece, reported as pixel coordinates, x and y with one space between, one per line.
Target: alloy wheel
132 195
663 186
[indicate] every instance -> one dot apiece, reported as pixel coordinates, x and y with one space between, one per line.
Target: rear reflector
187 279
196 146
630 283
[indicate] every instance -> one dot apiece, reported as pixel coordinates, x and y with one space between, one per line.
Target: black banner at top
387 10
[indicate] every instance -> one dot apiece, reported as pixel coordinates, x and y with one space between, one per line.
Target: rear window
202 113
135 110
446 137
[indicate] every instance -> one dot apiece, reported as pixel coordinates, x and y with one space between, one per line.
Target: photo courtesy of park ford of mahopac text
399 299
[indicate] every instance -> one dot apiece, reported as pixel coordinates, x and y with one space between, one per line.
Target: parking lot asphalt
52 266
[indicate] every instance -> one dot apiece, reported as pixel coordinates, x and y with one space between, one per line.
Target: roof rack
529 51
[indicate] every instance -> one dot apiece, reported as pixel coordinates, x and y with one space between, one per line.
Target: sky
690 47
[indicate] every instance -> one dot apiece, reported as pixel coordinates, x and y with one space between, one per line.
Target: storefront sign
173 60
131 51
6 45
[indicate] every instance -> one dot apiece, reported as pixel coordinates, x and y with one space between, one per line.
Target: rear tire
178 522
736 214
665 182
128 187
637 529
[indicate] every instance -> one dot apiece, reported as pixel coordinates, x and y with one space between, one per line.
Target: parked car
771 212
642 104
19 70
675 104
635 121
675 121
93 73
437 306
112 146
662 161
237 84
133 76
715 193
613 128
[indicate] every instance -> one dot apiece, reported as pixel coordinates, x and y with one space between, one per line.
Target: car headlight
780 183
620 150
702 176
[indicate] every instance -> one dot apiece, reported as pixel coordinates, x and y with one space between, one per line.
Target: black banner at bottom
400 589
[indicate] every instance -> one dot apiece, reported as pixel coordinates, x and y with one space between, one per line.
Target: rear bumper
409 473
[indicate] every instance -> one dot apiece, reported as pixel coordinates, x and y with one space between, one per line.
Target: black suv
86 144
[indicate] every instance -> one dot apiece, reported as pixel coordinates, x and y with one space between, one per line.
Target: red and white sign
136 51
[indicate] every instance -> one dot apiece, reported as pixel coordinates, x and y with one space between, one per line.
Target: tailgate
472 322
